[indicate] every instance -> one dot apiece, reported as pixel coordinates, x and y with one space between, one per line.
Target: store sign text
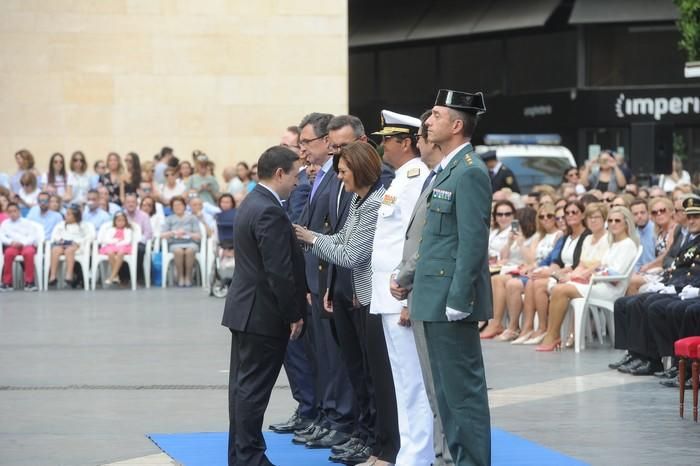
657 106
537 110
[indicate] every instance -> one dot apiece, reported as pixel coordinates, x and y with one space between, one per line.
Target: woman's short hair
28 179
175 199
364 163
153 201
498 204
27 158
596 208
77 213
229 196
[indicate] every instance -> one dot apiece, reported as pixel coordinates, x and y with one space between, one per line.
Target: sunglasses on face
545 216
572 212
658 212
559 219
504 214
615 220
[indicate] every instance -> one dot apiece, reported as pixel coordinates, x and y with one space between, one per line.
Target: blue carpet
209 449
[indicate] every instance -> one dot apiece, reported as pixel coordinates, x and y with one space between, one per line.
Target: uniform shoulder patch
509 180
413 172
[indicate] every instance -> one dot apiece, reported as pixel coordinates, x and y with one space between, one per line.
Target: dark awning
377 22
622 11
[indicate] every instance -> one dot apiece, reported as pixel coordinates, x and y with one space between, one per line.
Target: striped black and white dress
351 247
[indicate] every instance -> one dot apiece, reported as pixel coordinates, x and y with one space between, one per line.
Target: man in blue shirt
40 213
93 213
645 229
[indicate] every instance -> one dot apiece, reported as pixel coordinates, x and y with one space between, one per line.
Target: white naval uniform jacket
392 222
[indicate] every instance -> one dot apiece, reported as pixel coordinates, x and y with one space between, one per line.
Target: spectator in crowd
182 232
624 168
224 221
56 204
68 238
502 217
78 179
604 174
312 170
25 163
19 238
148 206
244 175
185 171
254 173
234 186
197 209
131 182
113 178
43 215
501 176
29 192
105 203
166 155
4 201
54 181
677 177
546 198
93 213
100 168
137 217
172 187
515 256
662 213
623 242
5 197
203 184
148 187
633 189
571 175
656 192
290 140
115 243
532 200
645 230
622 200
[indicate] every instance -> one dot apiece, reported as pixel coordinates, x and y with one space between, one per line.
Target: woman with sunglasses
78 179
501 219
623 240
543 278
661 210
54 180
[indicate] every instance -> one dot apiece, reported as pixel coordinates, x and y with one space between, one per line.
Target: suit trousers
624 310
386 430
333 390
301 374
256 361
442 452
351 329
455 355
414 414
691 319
666 324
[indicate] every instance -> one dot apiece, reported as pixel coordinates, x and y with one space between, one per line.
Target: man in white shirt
19 238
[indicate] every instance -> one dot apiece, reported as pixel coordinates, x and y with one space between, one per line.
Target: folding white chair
82 257
200 257
601 309
129 259
18 276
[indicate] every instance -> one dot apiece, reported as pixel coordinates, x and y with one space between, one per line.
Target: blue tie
317 181
427 181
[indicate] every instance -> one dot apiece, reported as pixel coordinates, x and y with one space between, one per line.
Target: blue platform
210 449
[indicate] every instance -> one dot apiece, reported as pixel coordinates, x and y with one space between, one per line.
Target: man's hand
16 245
396 291
405 318
689 292
295 328
327 302
308 298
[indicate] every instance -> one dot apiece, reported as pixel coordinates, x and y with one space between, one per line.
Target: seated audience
677 177
197 209
571 175
112 179
29 192
502 217
100 168
184 171
182 232
224 221
147 187
19 238
42 214
603 174
55 180
93 213
150 208
131 181
203 184
78 179
25 164
104 201
137 217
172 187
68 239
115 243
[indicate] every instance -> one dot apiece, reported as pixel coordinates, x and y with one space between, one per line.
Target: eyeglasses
558 219
545 216
572 212
335 148
658 212
170 174
306 142
504 214
615 220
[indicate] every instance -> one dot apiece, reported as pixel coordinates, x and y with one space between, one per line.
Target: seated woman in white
67 239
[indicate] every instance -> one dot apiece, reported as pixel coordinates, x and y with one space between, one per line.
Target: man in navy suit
333 392
265 302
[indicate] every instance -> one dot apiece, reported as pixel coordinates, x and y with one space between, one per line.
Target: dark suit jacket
264 296
299 197
339 278
504 178
315 218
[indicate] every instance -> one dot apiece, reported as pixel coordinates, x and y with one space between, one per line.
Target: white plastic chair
38 258
129 259
200 257
82 257
601 309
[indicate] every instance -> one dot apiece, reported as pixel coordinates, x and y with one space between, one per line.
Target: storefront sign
658 107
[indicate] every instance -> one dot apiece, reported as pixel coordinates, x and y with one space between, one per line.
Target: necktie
317 181
428 180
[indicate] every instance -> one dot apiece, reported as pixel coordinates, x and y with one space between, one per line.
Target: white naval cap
396 123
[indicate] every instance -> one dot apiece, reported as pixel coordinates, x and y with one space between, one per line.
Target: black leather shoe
307 430
332 438
646 368
294 423
316 433
357 456
351 444
676 383
633 364
625 360
669 373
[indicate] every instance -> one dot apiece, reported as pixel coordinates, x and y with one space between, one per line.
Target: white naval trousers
415 416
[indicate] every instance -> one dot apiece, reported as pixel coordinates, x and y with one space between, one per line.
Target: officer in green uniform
452 285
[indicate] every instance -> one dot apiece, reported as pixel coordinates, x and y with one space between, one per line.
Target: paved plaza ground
84 376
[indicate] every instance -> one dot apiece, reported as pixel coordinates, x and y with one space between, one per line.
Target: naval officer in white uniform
399 133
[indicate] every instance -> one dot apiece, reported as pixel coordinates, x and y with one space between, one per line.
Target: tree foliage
689 27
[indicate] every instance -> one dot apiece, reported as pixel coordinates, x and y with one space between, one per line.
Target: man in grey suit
401 286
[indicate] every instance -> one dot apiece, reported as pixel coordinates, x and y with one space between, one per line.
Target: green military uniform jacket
452 268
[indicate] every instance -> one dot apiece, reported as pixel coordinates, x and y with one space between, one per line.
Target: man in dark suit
264 305
333 389
501 176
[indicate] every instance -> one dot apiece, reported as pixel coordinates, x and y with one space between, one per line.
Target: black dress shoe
676 383
351 444
332 438
294 423
315 433
669 373
357 456
646 368
633 364
307 430
625 360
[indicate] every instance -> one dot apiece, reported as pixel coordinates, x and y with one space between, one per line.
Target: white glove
689 292
453 314
670 289
652 287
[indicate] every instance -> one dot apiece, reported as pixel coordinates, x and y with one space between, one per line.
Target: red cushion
694 352
687 347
